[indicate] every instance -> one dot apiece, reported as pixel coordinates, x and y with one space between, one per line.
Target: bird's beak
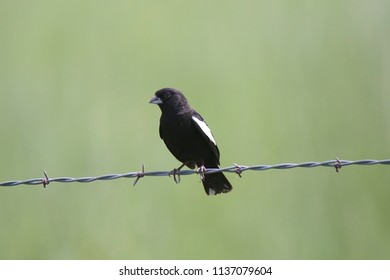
155 100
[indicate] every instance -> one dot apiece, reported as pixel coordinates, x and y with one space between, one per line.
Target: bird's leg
176 172
201 170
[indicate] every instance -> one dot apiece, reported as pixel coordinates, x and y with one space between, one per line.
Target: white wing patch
206 130
212 192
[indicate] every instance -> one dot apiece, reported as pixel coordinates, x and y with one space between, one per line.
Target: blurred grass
277 82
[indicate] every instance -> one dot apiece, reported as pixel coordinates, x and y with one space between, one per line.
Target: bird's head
169 98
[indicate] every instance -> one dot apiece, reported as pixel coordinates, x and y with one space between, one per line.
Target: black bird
188 138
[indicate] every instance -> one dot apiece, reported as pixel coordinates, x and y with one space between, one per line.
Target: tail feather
216 183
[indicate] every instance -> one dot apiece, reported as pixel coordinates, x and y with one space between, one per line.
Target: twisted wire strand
236 168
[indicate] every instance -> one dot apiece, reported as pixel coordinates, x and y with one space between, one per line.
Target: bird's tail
216 183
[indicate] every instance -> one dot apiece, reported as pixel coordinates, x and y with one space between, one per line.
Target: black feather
188 138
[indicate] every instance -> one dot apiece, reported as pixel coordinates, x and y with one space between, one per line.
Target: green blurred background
277 81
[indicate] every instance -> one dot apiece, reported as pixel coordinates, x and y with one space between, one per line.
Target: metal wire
238 169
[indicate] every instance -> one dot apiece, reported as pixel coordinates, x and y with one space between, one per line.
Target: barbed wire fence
236 168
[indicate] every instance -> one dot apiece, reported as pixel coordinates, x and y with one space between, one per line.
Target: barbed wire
236 168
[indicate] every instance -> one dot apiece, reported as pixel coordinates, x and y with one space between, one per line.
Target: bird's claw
201 170
176 175
176 172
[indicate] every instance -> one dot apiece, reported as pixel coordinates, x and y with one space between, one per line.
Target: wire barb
45 181
237 169
139 175
337 165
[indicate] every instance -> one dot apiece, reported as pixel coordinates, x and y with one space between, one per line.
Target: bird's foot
176 174
201 170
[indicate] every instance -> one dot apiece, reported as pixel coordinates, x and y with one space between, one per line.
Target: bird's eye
167 95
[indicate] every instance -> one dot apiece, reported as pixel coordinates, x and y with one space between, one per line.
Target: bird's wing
201 125
160 130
